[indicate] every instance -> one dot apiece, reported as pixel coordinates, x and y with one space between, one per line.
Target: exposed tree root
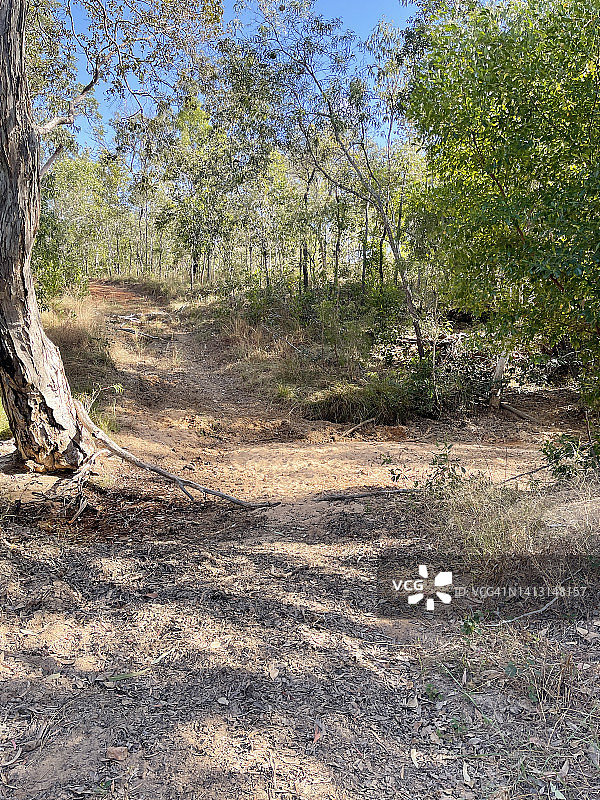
181 483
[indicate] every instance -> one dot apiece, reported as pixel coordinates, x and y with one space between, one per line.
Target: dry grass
539 670
76 327
472 514
5 432
337 381
154 287
536 674
281 365
546 662
488 519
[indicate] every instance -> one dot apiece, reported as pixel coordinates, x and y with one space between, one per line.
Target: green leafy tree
315 89
506 99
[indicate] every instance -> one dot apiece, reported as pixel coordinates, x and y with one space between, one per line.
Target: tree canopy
505 101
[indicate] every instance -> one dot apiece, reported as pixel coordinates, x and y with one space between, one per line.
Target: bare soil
158 648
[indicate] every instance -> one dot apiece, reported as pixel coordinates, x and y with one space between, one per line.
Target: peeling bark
35 392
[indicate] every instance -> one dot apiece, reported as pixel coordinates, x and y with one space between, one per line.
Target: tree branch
45 169
181 483
69 118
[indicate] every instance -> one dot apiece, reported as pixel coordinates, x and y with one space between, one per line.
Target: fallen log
518 413
181 483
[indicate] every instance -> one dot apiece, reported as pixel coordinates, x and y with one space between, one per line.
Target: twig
181 483
522 616
373 493
587 423
14 759
164 655
356 427
84 504
82 474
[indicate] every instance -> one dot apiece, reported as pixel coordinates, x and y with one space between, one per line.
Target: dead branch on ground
356 427
181 483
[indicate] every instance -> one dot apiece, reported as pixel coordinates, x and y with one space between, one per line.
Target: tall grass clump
417 388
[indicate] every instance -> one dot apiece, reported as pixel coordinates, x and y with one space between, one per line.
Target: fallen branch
13 760
373 493
522 616
356 427
520 414
445 342
525 474
181 483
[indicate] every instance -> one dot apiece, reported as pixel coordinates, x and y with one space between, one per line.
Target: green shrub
285 393
569 456
395 396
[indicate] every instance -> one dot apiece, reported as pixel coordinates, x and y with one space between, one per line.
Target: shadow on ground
170 650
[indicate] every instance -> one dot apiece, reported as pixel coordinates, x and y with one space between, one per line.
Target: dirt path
157 649
186 406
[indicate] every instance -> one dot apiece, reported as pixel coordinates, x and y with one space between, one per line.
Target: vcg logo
416 590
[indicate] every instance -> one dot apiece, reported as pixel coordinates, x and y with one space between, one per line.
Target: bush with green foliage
415 389
569 456
505 100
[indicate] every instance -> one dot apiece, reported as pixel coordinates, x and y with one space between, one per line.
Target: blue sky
360 16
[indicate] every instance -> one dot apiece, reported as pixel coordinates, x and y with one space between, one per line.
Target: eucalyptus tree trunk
413 311
35 393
